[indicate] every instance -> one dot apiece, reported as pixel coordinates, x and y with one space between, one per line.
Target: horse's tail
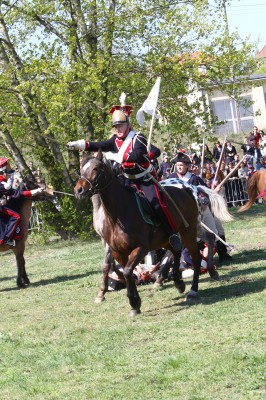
217 204
252 190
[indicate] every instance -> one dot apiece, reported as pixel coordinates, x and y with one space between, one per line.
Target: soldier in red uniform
129 149
10 219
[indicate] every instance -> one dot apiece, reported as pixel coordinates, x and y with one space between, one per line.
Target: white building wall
258 96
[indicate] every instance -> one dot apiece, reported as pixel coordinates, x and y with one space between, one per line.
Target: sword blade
68 194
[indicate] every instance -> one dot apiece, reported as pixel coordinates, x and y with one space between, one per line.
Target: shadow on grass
255 210
247 256
235 283
63 278
45 282
239 288
7 278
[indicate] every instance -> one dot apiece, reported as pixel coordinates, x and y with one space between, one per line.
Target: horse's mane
114 170
85 159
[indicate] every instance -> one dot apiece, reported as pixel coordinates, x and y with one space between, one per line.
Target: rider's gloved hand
114 157
77 145
3 201
36 191
7 185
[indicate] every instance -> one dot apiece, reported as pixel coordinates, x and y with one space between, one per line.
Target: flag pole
202 157
153 115
219 162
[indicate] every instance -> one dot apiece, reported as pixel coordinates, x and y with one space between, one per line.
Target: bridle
95 186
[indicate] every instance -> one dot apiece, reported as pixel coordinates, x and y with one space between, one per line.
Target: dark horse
130 238
256 184
23 206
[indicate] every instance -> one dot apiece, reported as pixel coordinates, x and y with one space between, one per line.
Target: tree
64 63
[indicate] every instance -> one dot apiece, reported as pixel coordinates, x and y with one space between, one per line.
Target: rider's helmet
120 114
119 117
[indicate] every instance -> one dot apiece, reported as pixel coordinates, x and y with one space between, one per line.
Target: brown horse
256 184
24 207
130 238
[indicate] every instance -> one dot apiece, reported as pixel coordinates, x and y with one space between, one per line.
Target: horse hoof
181 286
191 295
99 299
214 276
158 284
22 286
133 313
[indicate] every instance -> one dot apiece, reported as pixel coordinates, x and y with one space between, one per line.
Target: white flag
150 104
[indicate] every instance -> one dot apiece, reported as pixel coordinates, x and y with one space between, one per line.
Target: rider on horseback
10 219
182 171
129 149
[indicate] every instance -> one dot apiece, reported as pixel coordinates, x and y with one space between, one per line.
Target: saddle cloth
146 210
178 183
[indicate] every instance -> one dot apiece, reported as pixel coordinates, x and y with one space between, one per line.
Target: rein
95 186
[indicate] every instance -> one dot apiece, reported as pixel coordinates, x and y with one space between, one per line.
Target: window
226 110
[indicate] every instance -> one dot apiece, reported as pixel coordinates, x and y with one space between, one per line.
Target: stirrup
175 242
10 242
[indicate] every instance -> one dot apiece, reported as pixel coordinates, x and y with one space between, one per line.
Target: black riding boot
174 238
175 242
222 250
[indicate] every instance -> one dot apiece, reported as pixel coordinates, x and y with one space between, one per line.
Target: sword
68 194
230 246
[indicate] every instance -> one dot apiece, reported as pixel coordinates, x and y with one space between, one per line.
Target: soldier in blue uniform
10 219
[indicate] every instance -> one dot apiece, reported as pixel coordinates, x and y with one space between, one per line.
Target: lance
229 175
230 247
202 157
220 161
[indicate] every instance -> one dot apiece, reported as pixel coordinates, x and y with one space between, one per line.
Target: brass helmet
118 117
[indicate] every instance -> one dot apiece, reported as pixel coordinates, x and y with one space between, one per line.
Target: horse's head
95 176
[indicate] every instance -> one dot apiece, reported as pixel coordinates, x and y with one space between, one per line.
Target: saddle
146 210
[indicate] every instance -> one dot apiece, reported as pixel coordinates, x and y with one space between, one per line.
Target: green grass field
56 343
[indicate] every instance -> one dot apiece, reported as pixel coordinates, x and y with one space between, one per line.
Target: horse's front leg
196 260
22 277
107 264
132 293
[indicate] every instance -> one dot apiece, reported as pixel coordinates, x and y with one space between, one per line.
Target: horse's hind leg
132 293
22 277
177 274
